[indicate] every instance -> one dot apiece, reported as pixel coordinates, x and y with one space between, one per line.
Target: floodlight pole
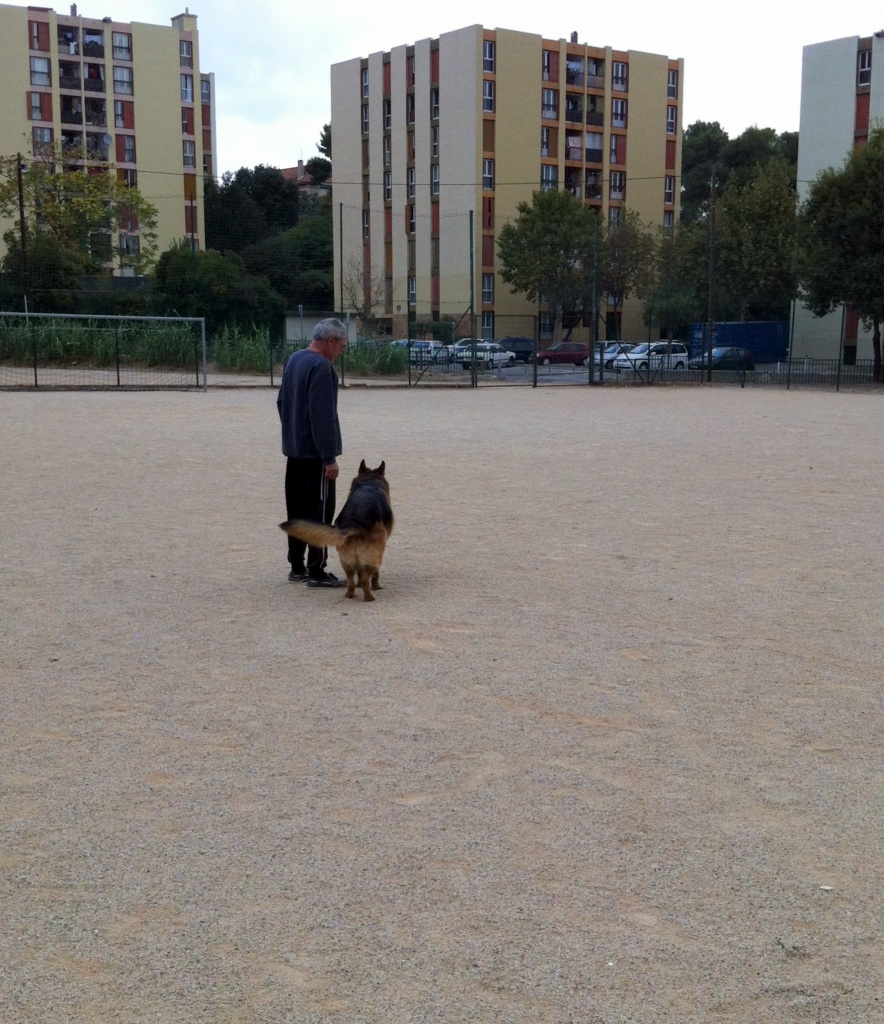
24 230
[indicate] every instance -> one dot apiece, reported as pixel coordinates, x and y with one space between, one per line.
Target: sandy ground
606 749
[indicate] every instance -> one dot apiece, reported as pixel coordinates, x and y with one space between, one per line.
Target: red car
565 352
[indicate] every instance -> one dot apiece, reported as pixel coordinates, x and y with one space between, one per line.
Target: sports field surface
607 748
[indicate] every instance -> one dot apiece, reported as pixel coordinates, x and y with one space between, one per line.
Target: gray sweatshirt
308 408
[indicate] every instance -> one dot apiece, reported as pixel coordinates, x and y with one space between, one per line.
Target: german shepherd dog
360 532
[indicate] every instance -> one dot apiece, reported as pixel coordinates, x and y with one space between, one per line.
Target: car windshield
639 350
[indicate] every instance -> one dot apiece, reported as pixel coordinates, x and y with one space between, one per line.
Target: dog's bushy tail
317 534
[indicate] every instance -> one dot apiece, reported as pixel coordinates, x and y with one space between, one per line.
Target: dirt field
607 748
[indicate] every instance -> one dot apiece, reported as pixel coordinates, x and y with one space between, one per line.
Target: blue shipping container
767 340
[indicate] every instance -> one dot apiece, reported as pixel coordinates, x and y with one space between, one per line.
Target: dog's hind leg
366 574
376 581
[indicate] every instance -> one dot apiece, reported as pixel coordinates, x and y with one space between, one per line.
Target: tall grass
242 351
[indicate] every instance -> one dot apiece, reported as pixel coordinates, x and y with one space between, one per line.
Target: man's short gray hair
329 330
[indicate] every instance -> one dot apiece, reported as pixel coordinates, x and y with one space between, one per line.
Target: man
311 442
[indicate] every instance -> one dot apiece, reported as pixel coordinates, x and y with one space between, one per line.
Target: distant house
302 179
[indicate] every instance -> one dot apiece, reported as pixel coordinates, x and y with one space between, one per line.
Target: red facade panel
862 114
670 154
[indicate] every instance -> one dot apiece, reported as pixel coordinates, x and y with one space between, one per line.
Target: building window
574 107
122 45
545 325
488 326
434 136
365 83
411 183
186 88
618 113
618 149
668 218
411 147
118 114
672 85
671 118
549 176
123 82
488 289
669 189
618 184
42 140
365 117
409 108
863 67
189 153
488 57
594 141
595 73
434 179
548 70
619 76
129 178
205 90
40 71
412 291
549 103
488 175
544 141
615 216
434 103
185 48
366 219
130 245
36 107
129 149
593 185
411 219
388 184
409 71
386 151
488 96
388 114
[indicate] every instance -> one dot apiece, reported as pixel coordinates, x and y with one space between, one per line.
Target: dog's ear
362 466
381 468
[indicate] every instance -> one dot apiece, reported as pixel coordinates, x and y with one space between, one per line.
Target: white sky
271 58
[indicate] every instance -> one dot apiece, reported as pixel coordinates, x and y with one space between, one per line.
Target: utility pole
710 312
24 231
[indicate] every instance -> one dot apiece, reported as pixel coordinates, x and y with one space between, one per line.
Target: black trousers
308 495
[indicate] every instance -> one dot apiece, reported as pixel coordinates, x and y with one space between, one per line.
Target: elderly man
311 442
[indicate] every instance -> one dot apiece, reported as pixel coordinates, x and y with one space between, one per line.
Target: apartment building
436 143
129 93
842 93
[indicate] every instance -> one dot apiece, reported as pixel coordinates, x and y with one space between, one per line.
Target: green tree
841 230
325 141
298 263
85 208
676 293
702 145
627 261
54 273
547 251
319 169
248 207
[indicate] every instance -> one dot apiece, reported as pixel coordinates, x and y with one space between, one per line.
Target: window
40 71
544 141
672 85
671 119
124 114
618 113
488 175
574 107
668 218
130 245
365 83
409 108
488 57
434 180
488 213
366 219
434 135
593 185
122 45
129 149
189 153
488 96
386 151
668 189
618 149
488 326
487 289
205 90
409 71
615 216
549 176
863 67
388 114
123 80
434 103
594 142
618 76
187 120
550 66
595 73
36 107
545 325
364 117
411 183
186 88
129 178
185 48
388 184
549 103
412 289
42 139
618 184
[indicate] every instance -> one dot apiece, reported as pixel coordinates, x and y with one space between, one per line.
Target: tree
547 252
319 169
628 251
83 207
325 141
675 295
363 294
702 145
248 207
52 279
298 263
841 231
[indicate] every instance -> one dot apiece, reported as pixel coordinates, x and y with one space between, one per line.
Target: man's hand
331 470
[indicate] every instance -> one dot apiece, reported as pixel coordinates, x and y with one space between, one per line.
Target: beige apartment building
436 143
129 93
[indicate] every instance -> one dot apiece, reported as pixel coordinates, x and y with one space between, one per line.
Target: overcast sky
271 58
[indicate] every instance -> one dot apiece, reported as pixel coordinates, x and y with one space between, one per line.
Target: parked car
725 359
456 350
425 351
488 355
522 348
611 351
659 355
565 352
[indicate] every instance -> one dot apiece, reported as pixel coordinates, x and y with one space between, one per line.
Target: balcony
73 82
593 187
595 117
69 41
72 117
96 113
93 44
94 79
594 156
595 82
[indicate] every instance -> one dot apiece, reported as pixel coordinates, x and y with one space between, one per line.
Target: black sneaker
298 575
326 580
